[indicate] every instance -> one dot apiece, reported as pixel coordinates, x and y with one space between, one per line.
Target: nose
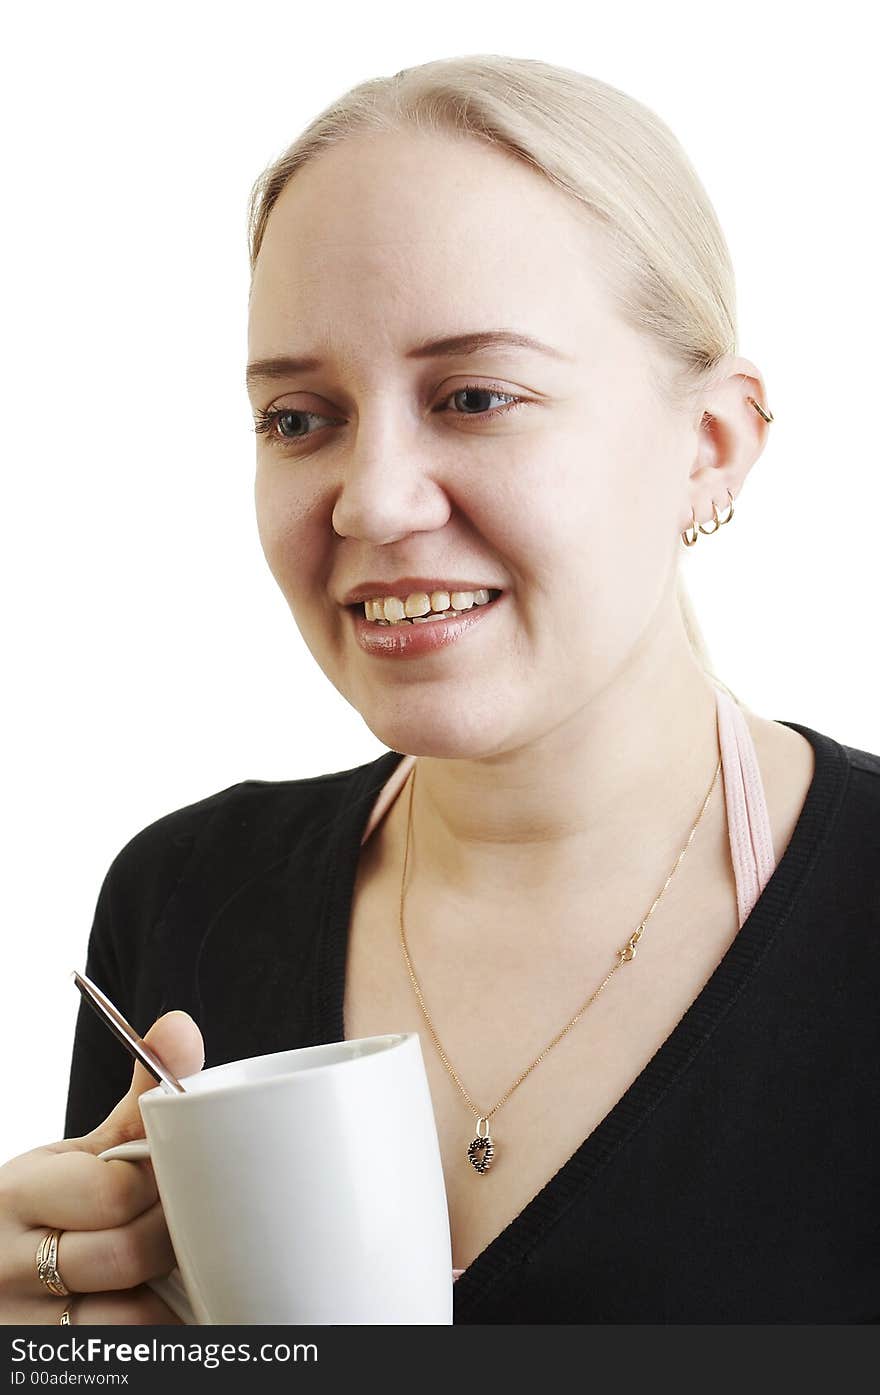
387 489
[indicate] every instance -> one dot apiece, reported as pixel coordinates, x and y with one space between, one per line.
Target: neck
591 804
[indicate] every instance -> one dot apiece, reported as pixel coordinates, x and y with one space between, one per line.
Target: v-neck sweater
736 1180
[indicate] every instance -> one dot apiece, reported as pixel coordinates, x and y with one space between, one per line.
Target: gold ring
47 1264
64 1319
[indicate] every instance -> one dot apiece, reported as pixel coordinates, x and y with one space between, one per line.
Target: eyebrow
453 346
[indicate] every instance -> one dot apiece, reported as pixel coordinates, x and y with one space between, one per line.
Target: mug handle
170 1286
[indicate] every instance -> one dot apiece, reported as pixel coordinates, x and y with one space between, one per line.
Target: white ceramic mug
303 1187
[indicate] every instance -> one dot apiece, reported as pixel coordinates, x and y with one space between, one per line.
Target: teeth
419 607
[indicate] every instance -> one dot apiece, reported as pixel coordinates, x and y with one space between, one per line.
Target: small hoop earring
718 521
768 416
698 528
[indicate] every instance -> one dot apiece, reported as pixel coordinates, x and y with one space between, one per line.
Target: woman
493 372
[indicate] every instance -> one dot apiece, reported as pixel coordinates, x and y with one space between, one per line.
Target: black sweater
738 1178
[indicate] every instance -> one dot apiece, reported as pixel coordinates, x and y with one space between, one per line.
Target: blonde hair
668 264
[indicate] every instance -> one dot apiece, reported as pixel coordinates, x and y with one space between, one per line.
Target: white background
151 659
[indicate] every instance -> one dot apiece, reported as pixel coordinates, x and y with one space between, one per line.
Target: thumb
177 1041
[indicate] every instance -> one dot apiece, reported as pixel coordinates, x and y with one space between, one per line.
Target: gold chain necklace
482 1144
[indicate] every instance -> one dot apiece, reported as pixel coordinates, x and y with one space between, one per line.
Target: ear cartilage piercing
768 416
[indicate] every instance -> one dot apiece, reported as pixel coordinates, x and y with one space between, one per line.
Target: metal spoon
125 1033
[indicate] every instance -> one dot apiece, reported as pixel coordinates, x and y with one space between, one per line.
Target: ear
730 435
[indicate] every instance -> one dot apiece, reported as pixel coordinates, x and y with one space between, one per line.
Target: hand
114 1237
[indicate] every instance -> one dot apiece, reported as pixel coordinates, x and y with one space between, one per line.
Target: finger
140 1307
178 1042
90 1261
76 1190
134 1308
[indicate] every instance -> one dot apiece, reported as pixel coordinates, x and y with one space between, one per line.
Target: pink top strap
751 842
748 823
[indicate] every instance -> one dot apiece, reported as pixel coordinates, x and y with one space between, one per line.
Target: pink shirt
751 843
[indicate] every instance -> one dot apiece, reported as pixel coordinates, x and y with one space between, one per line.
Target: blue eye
266 422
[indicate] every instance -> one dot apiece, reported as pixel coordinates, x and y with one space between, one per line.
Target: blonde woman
497 396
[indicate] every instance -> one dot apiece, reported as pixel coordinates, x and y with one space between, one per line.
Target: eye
482 391
270 421
266 422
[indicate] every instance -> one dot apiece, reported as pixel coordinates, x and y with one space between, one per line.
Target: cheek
293 534
585 538
288 528
550 520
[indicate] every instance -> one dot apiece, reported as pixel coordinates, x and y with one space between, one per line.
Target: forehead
381 240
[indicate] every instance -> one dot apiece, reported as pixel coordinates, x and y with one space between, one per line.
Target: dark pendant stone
484 1146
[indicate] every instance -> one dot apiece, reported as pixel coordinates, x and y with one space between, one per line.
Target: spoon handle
124 1032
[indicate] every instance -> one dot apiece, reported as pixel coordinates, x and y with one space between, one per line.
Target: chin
450 737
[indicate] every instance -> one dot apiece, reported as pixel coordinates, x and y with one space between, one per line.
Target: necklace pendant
483 1144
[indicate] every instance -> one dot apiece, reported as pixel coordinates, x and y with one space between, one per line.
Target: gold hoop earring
768 416
698 527
718 521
